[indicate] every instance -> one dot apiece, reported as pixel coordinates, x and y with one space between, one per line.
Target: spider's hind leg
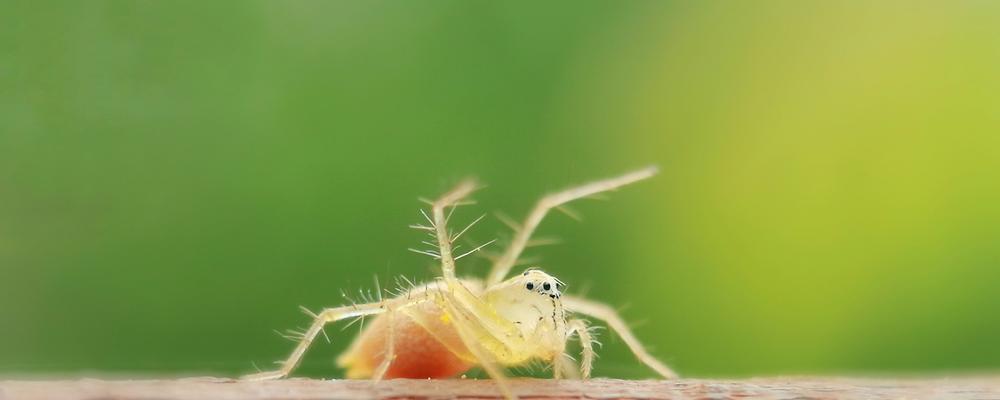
319 321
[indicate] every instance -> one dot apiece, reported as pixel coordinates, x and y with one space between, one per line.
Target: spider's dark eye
530 286
547 286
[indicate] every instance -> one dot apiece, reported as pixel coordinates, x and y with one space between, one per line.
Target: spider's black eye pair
545 286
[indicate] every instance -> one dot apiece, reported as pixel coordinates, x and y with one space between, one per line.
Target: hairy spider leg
564 367
327 316
610 316
579 328
523 233
460 297
475 322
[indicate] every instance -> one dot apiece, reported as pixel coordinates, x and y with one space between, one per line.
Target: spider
445 327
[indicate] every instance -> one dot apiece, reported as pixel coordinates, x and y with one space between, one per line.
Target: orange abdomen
426 346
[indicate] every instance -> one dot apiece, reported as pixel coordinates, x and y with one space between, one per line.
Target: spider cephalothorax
533 302
445 327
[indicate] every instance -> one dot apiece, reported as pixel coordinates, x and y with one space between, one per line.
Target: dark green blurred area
176 178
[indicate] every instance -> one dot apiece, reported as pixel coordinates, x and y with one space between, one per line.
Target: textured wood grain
981 388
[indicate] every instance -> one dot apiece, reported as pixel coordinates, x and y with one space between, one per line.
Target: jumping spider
443 328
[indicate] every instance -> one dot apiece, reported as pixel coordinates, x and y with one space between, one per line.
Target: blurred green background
176 177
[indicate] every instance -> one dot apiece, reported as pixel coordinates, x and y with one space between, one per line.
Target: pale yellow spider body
428 345
450 325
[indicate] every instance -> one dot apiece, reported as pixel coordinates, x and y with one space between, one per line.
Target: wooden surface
981 388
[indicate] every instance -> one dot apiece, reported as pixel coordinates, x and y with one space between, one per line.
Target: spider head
532 301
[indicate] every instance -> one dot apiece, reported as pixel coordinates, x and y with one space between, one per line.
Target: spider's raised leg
615 322
457 295
523 233
488 337
324 317
579 327
439 224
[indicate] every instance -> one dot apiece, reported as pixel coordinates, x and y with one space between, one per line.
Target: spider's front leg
615 322
579 328
563 367
320 320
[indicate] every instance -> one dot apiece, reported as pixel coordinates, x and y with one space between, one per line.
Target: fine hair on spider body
445 327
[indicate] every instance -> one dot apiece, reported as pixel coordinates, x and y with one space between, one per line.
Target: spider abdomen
426 345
